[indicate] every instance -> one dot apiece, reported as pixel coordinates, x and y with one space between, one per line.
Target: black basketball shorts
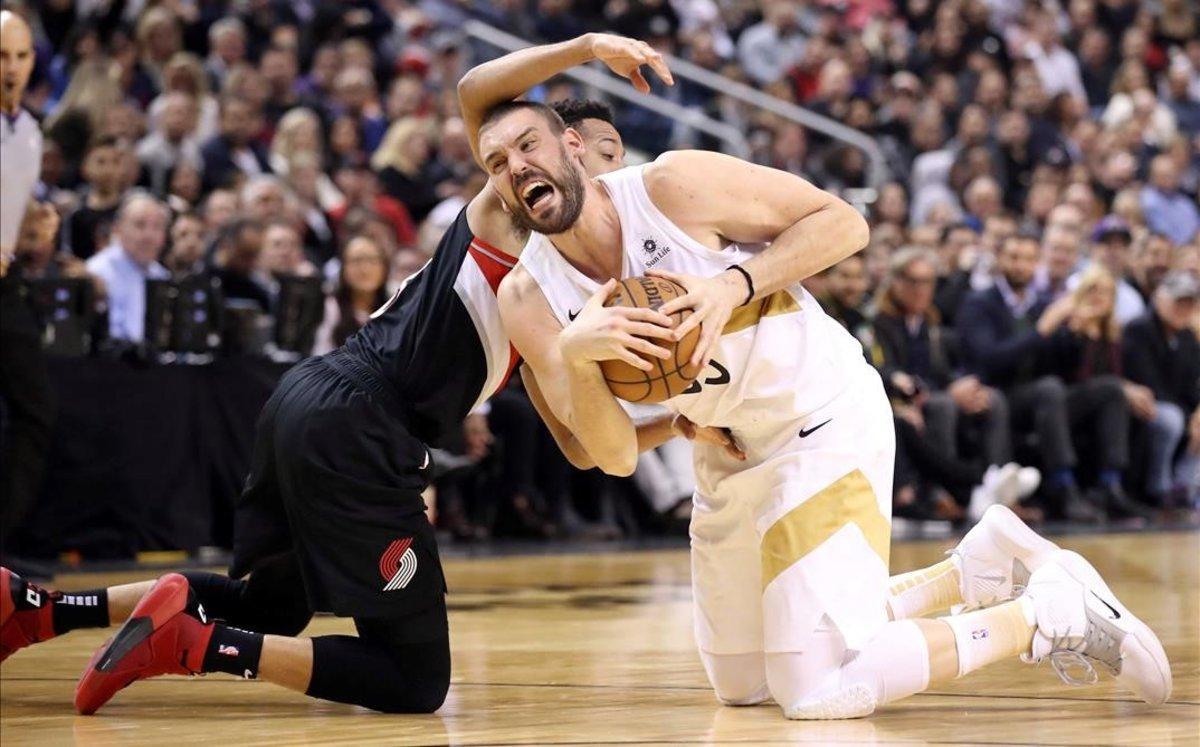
337 479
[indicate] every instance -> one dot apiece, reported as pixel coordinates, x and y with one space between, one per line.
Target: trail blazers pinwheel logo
398 564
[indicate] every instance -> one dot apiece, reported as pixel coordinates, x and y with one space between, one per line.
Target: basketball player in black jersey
332 518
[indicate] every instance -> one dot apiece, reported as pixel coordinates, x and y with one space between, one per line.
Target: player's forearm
815 242
510 76
598 421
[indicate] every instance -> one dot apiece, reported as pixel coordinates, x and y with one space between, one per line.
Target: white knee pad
738 679
816 684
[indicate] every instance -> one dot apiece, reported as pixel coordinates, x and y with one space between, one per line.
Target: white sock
986 636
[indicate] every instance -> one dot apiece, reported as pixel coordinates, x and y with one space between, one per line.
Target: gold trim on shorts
805 527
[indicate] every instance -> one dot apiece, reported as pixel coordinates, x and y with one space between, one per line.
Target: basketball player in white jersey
790 544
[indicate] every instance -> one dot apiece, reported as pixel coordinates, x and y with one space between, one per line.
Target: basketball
669 377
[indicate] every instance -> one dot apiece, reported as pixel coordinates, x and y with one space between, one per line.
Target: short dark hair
574 111
508 107
1021 236
956 226
234 231
103 141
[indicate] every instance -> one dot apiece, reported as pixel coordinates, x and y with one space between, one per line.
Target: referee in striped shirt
24 385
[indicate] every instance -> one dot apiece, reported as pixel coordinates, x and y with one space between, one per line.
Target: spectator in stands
35 255
282 253
846 286
184 187
361 289
185 74
1003 332
1111 247
403 165
299 132
220 210
957 251
169 143
264 198
185 255
234 153
915 353
280 69
124 265
1152 257
1183 103
227 48
355 97
1161 352
237 263
1060 259
360 187
104 172
1168 209
771 47
1085 352
304 185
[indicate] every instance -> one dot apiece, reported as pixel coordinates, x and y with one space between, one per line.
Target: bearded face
531 169
547 202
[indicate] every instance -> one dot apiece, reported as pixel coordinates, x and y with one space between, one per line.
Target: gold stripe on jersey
744 317
805 527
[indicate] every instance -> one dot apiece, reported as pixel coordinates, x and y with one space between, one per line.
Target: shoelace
1096 645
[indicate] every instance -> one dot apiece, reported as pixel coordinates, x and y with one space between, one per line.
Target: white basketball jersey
779 359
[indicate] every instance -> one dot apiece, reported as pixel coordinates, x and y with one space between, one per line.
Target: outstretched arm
508 77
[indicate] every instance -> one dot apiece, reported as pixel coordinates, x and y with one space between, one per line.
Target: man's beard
570 188
1016 283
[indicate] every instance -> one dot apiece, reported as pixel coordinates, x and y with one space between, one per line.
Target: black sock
233 651
80 609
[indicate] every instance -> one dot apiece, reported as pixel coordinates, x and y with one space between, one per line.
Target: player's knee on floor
827 681
805 691
737 679
397 678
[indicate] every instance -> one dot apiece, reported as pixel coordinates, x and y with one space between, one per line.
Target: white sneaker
1028 480
996 558
1081 623
997 484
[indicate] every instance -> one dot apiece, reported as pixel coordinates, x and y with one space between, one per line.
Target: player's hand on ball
625 57
711 300
603 333
707 434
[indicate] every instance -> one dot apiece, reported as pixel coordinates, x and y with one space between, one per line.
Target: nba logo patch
398 564
227 650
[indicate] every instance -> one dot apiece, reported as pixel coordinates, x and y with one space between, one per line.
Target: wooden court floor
597 649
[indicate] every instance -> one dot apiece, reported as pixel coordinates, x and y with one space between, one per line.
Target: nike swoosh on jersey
814 429
572 314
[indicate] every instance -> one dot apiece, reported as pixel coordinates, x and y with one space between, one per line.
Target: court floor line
685 688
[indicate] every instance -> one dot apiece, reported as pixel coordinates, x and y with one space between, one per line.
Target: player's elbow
577 455
858 233
467 86
621 464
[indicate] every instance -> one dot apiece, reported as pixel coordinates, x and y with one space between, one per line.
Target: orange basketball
669 377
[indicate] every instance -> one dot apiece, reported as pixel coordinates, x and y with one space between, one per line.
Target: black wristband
749 282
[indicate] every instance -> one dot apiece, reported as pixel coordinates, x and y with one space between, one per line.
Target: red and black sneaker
26 613
160 637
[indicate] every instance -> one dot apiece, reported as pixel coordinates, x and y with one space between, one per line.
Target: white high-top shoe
1082 624
996 558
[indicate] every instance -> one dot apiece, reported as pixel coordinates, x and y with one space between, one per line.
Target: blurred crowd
1030 292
